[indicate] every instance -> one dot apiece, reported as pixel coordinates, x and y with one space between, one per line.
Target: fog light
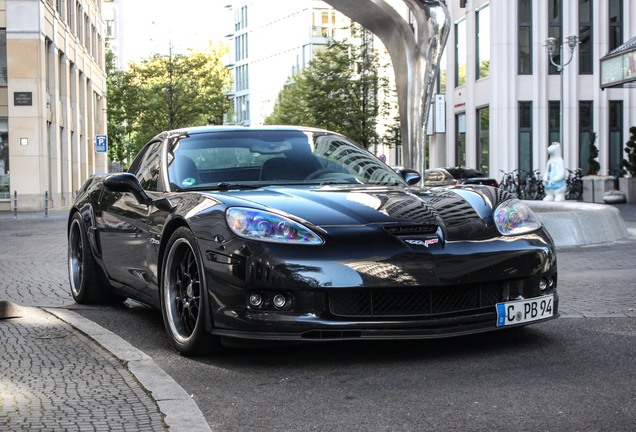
551 282
279 301
256 300
543 284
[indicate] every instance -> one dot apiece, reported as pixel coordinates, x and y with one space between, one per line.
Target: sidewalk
60 371
55 378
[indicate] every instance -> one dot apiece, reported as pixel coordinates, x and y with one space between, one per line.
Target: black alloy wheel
86 286
182 296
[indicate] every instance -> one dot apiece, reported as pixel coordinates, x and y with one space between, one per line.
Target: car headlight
269 227
514 217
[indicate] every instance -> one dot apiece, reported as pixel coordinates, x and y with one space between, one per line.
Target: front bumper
407 294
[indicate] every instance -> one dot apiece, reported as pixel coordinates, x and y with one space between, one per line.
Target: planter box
594 188
628 187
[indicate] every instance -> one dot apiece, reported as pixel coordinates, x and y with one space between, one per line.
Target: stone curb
182 413
578 224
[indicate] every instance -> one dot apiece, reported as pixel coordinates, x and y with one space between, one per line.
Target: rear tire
86 286
183 292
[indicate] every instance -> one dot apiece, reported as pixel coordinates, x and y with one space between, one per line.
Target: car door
124 229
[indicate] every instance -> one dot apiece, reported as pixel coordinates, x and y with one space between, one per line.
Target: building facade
270 42
114 31
504 96
52 100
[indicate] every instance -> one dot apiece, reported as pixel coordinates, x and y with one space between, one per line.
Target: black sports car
290 233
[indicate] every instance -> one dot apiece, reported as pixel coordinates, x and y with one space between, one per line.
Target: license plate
521 311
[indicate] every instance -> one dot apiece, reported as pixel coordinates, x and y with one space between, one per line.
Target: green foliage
179 91
594 166
121 111
630 148
164 92
338 91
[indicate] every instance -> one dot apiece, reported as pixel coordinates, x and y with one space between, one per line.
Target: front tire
86 286
183 296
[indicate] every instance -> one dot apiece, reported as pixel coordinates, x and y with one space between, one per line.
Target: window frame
585 129
553 70
465 59
524 25
586 68
525 130
478 58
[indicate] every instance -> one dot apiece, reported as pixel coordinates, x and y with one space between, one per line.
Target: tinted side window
147 172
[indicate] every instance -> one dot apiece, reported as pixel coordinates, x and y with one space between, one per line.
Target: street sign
101 144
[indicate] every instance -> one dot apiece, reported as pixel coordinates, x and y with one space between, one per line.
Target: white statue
554 177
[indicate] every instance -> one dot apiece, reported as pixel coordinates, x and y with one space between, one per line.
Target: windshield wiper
228 186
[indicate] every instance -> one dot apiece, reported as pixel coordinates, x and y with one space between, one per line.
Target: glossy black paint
364 229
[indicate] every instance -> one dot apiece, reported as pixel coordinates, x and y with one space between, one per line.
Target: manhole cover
49 336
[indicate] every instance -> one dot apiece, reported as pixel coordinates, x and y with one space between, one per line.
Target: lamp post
551 43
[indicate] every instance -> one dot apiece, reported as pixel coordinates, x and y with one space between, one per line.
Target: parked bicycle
574 184
507 182
534 186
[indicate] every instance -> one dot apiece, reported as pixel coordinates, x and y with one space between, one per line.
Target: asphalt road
576 373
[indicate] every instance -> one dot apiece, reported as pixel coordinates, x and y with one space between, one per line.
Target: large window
525 136
324 23
615 136
3 56
460 139
555 30
524 54
554 122
241 47
242 109
483 140
240 18
460 53
586 124
585 37
4 158
483 42
242 78
615 24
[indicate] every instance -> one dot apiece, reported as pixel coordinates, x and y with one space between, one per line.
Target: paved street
574 373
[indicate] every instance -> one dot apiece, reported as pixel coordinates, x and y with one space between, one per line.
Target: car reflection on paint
290 233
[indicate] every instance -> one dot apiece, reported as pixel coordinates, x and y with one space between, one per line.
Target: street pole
572 41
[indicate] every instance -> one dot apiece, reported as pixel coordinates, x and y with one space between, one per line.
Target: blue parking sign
101 144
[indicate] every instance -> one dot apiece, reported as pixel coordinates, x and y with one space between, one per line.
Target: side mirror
128 183
410 176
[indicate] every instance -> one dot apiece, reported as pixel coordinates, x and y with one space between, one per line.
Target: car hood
449 208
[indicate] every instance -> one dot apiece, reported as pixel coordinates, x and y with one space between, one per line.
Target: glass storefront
4 158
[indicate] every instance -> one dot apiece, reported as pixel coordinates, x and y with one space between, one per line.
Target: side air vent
411 230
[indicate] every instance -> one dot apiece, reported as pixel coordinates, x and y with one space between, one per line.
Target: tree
630 148
594 166
338 91
176 91
121 111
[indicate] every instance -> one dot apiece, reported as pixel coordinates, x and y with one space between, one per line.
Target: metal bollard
46 204
15 204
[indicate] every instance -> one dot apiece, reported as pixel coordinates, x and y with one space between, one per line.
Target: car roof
228 128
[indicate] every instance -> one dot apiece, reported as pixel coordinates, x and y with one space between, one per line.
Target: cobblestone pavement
33 259
52 377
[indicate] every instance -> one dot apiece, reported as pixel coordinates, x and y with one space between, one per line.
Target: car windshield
273 157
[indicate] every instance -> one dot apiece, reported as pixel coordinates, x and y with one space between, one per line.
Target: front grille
411 229
414 302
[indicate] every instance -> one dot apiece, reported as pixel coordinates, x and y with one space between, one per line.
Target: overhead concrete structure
415 53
